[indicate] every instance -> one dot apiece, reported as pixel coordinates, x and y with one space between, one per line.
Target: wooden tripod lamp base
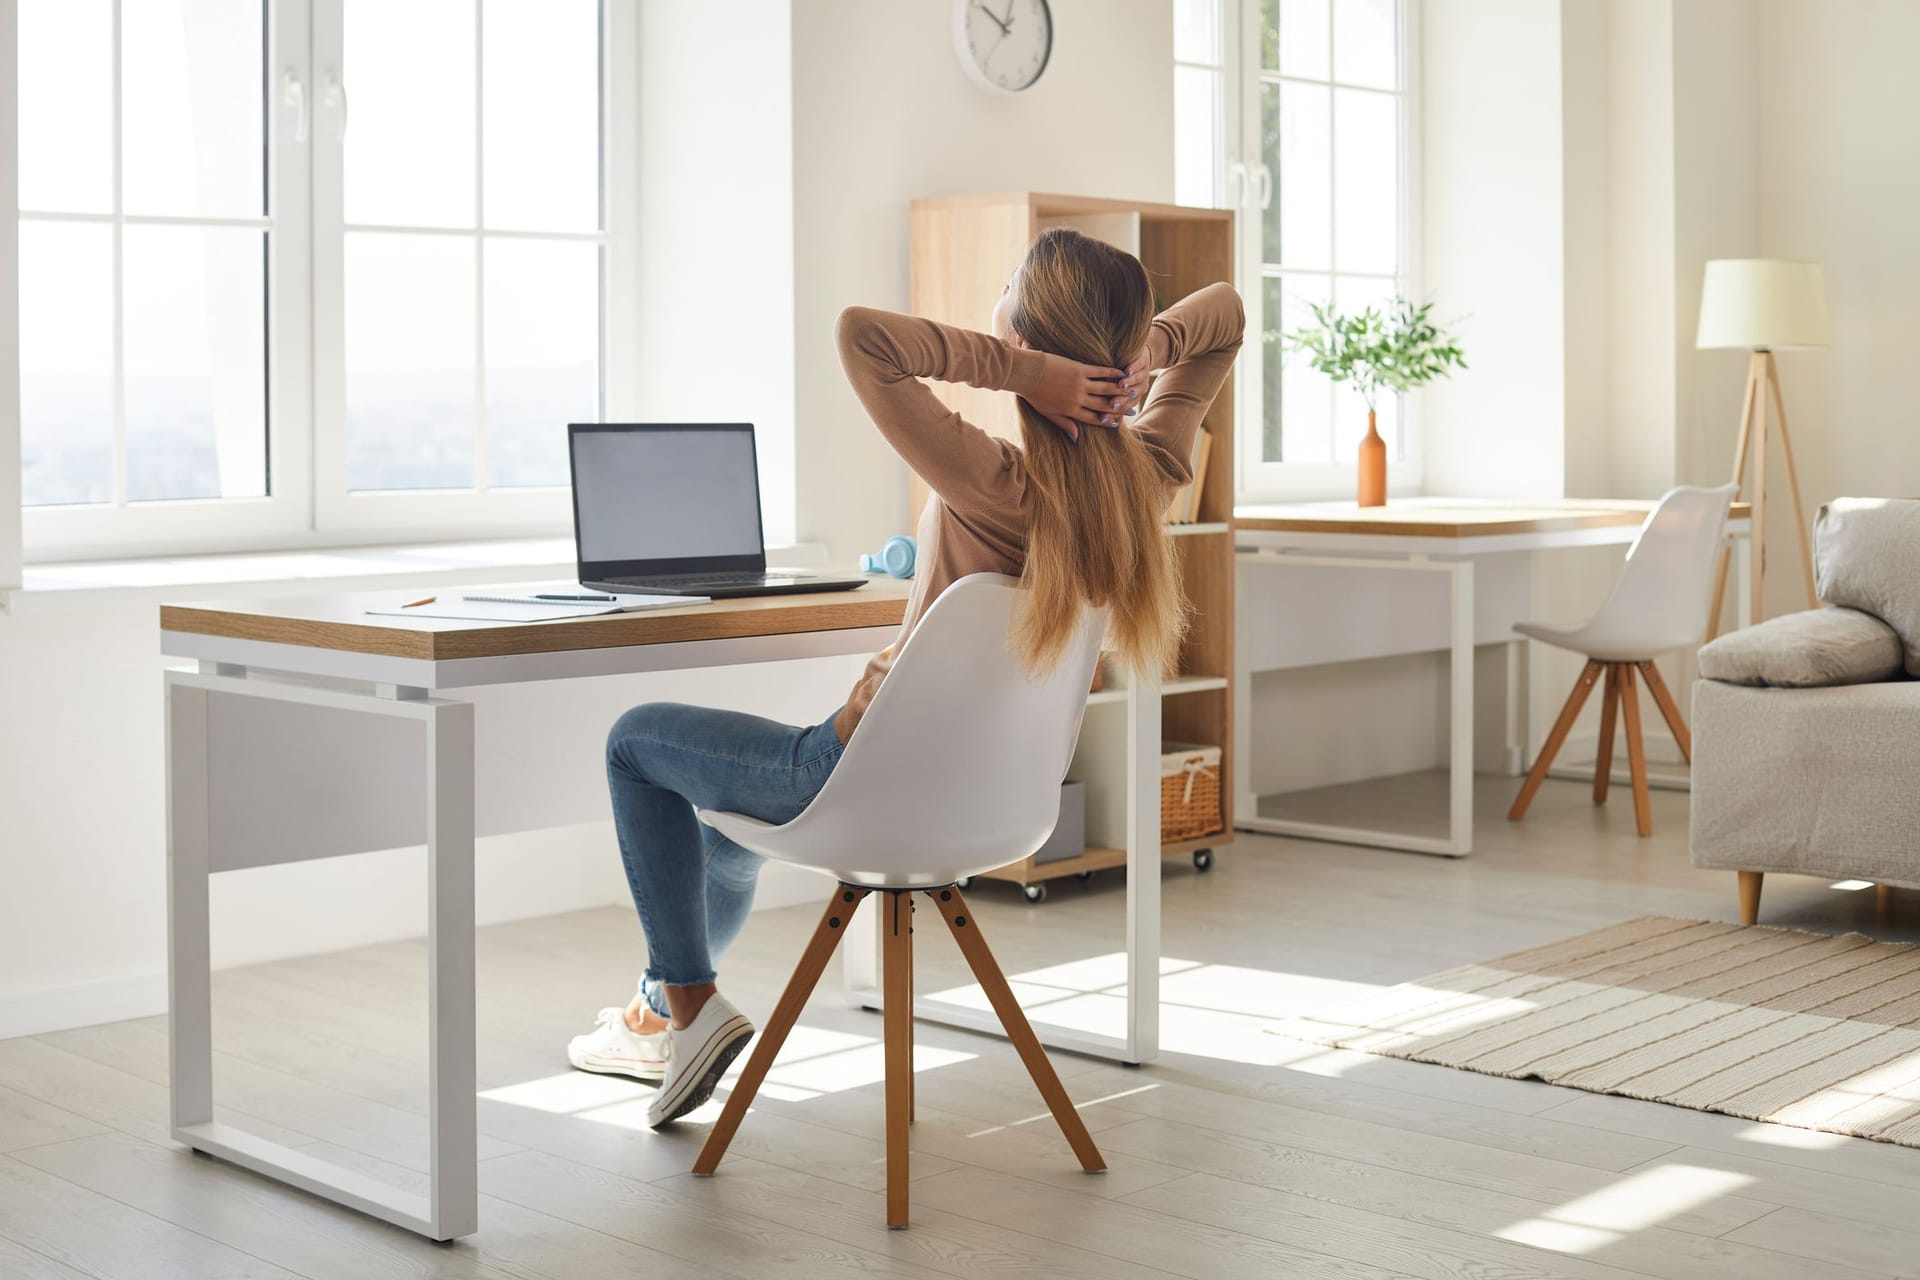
1762 305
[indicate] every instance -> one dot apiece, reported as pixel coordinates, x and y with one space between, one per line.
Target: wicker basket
1189 791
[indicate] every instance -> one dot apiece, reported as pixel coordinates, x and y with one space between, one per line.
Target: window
1199 101
1316 154
299 267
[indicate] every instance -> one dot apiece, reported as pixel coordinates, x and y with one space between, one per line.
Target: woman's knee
648 724
731 866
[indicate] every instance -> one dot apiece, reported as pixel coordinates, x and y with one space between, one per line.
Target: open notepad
513 602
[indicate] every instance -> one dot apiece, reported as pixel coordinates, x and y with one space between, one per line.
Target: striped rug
1801 1029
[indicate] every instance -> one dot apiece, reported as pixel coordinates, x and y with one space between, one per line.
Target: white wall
1839 183
1492 244
715 228
882 114
9 312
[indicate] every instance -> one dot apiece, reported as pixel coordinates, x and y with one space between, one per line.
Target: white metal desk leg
455 1195
189 957
1460 720
1143 869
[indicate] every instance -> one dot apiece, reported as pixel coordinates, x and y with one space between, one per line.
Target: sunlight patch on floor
1081 1106
1636 1202
1780 1135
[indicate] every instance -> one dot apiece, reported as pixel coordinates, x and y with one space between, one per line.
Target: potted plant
1399 350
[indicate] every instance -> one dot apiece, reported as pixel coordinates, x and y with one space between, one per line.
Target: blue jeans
692 886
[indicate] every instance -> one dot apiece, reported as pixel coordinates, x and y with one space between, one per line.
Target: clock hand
990 13
1007 24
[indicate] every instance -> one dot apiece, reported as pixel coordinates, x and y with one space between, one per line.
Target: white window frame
308 503
1252 187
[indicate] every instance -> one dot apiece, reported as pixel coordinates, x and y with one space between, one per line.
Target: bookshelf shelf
962 248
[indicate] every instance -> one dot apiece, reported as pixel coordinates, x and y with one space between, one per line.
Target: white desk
1447 537
313 730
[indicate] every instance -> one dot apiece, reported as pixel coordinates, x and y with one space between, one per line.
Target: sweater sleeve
886 355
1195 341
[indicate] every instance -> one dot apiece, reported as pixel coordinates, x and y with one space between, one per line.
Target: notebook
514 603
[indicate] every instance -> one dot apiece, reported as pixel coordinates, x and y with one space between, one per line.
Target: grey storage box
1069 838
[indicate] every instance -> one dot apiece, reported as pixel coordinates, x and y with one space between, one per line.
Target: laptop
674 509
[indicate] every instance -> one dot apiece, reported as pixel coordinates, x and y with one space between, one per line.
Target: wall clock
1003 44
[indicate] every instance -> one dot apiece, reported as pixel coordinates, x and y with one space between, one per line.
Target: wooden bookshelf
963 250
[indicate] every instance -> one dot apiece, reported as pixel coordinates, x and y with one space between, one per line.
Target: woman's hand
1072 395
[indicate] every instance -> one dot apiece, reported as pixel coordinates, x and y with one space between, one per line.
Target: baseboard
83 1004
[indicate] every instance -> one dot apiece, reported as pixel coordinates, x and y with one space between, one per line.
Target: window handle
293 93
334 95
1236 185
1266 185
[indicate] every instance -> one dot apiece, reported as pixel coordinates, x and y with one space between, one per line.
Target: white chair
955 770
1655 608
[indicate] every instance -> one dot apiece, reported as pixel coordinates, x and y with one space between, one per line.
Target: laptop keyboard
732 578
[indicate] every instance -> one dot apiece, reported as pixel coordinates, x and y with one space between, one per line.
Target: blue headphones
894 559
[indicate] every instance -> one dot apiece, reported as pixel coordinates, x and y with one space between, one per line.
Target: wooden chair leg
1669 709
912 1082
1575 700
1636 751
896 963
820 949
1750 895
1603 761
986 971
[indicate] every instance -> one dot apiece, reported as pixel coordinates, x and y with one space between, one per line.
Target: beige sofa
1806 728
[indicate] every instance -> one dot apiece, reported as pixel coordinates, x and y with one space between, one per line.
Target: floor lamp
1762 305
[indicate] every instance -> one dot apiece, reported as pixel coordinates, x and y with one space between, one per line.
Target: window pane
541 129
411 383
1196 31
66 105
1295 141
191 107
196 363
1303 39
66 362
1298 400
543 355
1366 43
410 140
1367 180
1196 136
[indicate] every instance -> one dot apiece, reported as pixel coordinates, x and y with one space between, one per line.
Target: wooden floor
1239 1154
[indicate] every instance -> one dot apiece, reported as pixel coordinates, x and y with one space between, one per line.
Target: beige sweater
977 520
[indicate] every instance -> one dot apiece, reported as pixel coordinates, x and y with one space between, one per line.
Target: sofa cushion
1815 647
1867 557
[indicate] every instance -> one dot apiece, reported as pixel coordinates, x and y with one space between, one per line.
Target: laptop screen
666 498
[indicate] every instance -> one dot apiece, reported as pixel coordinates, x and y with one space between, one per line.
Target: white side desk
313 730
1306 550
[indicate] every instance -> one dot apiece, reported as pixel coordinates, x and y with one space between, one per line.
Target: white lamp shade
1763 304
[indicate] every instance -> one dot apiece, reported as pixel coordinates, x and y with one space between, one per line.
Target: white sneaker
697 1057
614 1049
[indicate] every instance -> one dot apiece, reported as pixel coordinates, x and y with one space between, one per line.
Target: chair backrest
1660 599
957 763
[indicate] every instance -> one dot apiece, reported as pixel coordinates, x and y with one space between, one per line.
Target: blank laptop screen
666 493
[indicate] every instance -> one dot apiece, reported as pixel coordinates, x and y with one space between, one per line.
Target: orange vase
1373 467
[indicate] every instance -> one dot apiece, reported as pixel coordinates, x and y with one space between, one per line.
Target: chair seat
795 844
1605 643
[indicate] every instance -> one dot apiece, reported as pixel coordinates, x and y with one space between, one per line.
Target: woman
1075 511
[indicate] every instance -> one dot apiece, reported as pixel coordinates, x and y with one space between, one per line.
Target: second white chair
955 770
1656 607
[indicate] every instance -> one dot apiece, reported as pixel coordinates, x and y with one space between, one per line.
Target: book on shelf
1185 507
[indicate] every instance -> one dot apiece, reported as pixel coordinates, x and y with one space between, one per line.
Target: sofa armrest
1818 647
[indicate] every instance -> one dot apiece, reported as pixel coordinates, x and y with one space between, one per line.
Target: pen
588 599
415 604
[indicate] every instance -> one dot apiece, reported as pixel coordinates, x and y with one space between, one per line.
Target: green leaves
1399 350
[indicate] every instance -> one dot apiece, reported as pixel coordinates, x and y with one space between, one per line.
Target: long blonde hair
1096 536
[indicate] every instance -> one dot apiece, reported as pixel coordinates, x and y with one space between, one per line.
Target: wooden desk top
341 622
1449 517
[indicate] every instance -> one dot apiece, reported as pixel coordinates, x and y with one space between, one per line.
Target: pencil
415 604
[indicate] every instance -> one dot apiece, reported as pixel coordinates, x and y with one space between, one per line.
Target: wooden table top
1449 517
341 622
